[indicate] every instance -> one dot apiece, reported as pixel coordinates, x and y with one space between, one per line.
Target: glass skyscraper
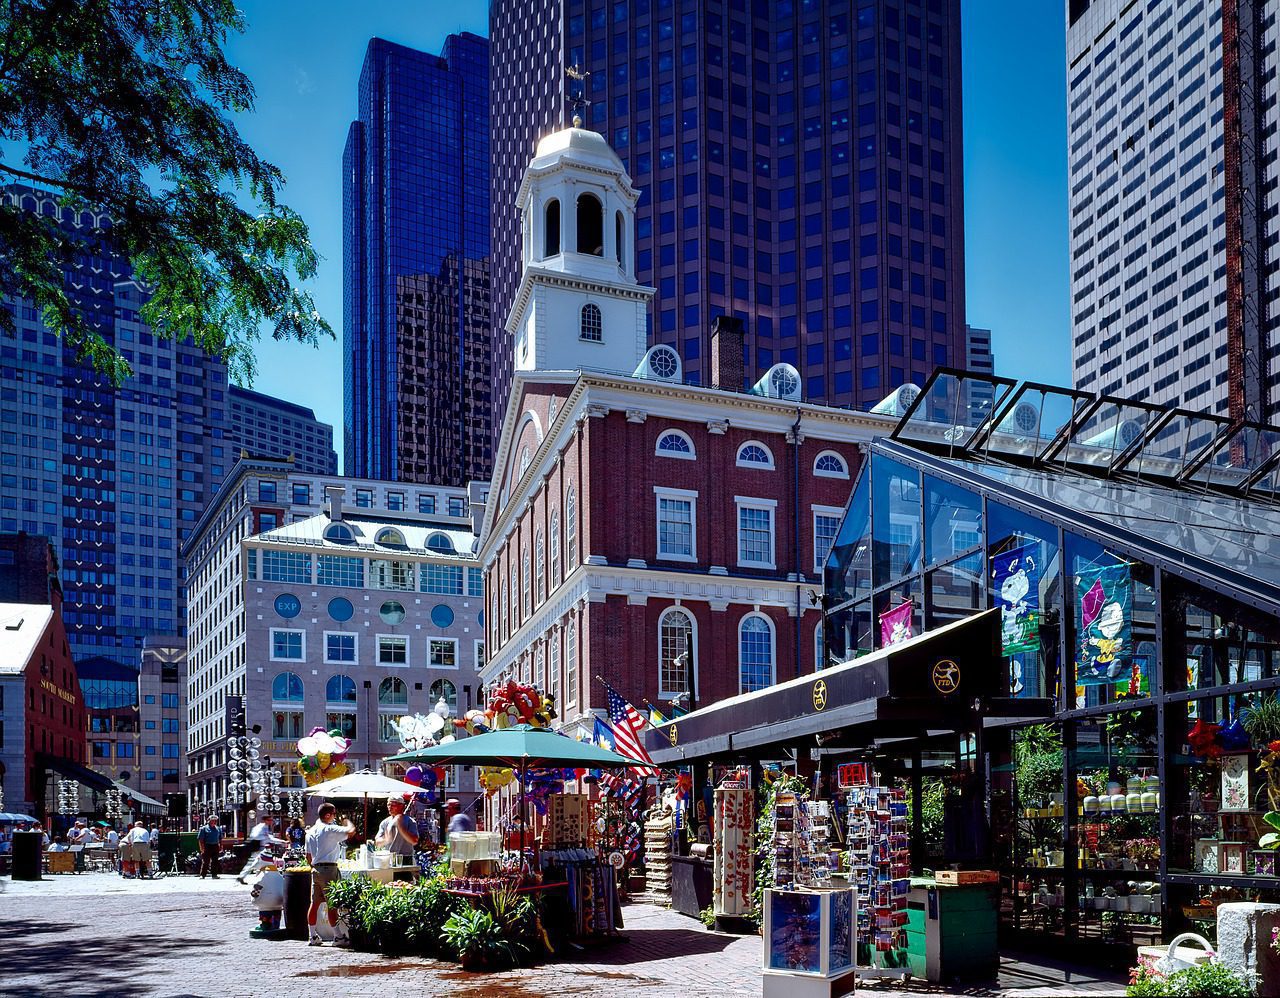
416 333
800 163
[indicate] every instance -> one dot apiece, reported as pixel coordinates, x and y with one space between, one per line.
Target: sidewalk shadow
79 963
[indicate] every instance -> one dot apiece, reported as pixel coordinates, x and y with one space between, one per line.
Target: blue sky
304 59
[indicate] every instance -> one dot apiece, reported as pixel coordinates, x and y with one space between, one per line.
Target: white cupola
578 305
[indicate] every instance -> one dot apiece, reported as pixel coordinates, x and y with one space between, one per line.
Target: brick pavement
179 937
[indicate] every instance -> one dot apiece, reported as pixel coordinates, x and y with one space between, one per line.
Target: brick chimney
333 496
727 368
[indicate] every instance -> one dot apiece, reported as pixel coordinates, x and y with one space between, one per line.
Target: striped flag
626 723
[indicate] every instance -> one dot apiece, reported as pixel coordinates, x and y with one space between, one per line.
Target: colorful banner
1016 577
1105 653
895 625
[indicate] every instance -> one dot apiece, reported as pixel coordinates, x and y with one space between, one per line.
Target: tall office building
271 427
416 336
799 167
1173 148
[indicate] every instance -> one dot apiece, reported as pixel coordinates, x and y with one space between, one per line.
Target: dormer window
591 325
551 235
590 225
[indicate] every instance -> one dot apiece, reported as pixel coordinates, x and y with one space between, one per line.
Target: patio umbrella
521 748
362 786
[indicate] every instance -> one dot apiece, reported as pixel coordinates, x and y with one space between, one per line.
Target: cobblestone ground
100 935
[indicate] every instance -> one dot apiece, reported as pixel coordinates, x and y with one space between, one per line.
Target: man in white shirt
260 836
326 845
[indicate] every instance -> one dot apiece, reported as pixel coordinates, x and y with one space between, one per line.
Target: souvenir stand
809 924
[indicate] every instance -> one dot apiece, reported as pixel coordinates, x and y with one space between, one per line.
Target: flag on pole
627 724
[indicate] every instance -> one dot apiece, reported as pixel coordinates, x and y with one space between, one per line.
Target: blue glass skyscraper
799 162
416 331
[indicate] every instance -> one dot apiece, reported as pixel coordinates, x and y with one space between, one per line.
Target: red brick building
641 529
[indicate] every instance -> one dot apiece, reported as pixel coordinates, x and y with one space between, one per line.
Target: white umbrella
363 785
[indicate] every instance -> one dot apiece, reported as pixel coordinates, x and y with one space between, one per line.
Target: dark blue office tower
416 330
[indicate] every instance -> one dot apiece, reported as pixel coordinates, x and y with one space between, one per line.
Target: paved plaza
100 935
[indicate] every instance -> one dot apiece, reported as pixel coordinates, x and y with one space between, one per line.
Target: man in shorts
326 845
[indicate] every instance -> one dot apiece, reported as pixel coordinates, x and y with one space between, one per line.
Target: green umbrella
521 748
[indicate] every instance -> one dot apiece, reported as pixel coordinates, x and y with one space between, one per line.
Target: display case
809 941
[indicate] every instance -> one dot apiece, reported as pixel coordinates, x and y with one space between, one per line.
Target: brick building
641 529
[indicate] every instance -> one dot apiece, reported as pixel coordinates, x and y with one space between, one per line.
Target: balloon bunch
426 777
322 754
510 704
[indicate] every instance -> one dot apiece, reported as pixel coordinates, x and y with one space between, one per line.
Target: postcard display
733 860
880 871
809 926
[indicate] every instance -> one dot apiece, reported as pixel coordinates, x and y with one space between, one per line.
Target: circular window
441 615
288 605
340 608
391 612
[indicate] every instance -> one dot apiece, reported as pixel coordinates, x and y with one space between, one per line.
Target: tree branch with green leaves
124 107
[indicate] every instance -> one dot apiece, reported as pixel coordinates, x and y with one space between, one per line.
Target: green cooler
951 931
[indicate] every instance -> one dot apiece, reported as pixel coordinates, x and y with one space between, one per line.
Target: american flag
626 724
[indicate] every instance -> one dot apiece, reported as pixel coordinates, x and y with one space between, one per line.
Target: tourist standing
209 841
398 834
325 844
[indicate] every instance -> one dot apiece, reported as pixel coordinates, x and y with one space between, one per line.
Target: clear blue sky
304 57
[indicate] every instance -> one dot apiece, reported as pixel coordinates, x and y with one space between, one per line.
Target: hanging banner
1016 577
895 625
1106 611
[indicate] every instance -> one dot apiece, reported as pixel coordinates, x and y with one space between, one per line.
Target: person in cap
398 834
459 820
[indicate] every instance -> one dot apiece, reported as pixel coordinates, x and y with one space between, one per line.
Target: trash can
28 855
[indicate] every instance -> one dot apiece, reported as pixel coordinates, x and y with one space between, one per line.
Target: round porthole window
340 608
391 612
288 605
441 615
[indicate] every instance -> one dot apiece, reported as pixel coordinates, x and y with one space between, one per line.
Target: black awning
74 771
946 679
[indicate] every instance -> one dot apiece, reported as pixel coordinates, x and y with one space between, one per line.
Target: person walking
325 844
209 841
260 836
398 834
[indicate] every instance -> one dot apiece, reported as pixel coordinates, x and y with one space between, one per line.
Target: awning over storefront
74 771
943 680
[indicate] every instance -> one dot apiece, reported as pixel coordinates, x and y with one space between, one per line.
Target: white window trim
818 511
660 493
831 474
693 451
334 661
773 648
271 645
408 651
457 660
747 502
770 466
664 694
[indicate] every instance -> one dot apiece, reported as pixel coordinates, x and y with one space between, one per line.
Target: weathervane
579 101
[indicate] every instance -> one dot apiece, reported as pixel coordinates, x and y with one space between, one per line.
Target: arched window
674 443
551 235
829 464
570 531
540 566
393 693
440 542
590 225
677 654
591 327
339 533
444 688
754 454
755 654
389 537
340 689
286 688
555 549
619 226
